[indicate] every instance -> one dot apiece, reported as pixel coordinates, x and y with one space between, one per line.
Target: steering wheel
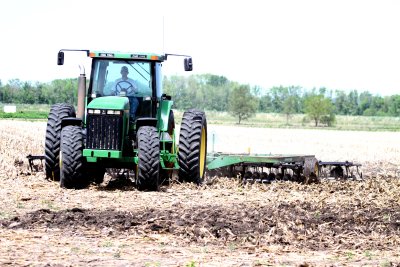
125 86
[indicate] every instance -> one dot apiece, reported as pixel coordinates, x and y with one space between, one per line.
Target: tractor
123 124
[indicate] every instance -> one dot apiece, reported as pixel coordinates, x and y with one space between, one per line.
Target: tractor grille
104 131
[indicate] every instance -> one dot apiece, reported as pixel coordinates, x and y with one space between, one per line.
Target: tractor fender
73 121
146 122
163 114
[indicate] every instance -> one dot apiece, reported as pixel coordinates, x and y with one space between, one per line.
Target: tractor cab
133 77
136 79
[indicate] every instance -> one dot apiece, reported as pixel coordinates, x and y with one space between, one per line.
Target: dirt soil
221 223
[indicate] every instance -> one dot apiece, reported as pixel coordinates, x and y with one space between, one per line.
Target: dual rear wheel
64 161
191 156
57 113
192 146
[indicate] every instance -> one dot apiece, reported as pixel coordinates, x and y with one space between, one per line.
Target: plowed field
221 223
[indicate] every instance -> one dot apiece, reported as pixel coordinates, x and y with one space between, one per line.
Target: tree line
22 92
213 92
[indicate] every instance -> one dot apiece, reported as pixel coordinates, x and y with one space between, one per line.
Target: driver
129 86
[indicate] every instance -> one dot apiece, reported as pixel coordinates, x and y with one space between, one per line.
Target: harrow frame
265 168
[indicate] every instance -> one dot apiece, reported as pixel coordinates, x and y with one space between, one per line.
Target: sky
337 44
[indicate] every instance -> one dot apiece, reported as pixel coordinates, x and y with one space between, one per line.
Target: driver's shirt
125 85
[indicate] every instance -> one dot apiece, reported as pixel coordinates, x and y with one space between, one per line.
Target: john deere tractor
123 122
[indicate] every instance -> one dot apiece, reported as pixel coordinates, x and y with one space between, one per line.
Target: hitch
31 158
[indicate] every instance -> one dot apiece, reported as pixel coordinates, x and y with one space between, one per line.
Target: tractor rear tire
72 163
148 169
192 146
52 142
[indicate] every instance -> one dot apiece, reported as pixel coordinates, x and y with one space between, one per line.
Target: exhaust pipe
81 96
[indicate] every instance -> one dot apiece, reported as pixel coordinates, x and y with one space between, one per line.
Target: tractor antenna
163 38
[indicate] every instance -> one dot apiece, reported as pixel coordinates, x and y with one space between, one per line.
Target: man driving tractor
129 86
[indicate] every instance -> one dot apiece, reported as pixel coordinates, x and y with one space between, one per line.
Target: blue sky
353 44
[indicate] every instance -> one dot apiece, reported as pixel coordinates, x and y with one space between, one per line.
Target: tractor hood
109 102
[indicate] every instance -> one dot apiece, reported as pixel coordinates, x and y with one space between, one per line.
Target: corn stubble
219 223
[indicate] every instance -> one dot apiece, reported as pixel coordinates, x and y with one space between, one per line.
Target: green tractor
123 123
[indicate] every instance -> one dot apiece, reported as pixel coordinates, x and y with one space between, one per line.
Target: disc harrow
340 170
266 168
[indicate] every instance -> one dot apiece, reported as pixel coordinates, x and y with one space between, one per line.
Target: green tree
394 105
353 103
28 94
266 103
11 91
203 91
242 104
378 103
1 92
278 96
340 102
289 107
317 107
365 104
215 80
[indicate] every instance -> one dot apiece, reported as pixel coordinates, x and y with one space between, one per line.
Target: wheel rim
316 169
136 172
173 143
61 160
202 151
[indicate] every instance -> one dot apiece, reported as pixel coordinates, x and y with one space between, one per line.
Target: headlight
105 111
114 112
94 111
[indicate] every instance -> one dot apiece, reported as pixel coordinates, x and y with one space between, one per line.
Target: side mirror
188 64
60 58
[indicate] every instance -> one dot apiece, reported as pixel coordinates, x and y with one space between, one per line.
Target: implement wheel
148 169
52 142
192 146
311 171
72 162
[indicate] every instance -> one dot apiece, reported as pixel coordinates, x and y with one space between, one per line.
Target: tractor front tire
148 169
52 141
192 146
72 163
